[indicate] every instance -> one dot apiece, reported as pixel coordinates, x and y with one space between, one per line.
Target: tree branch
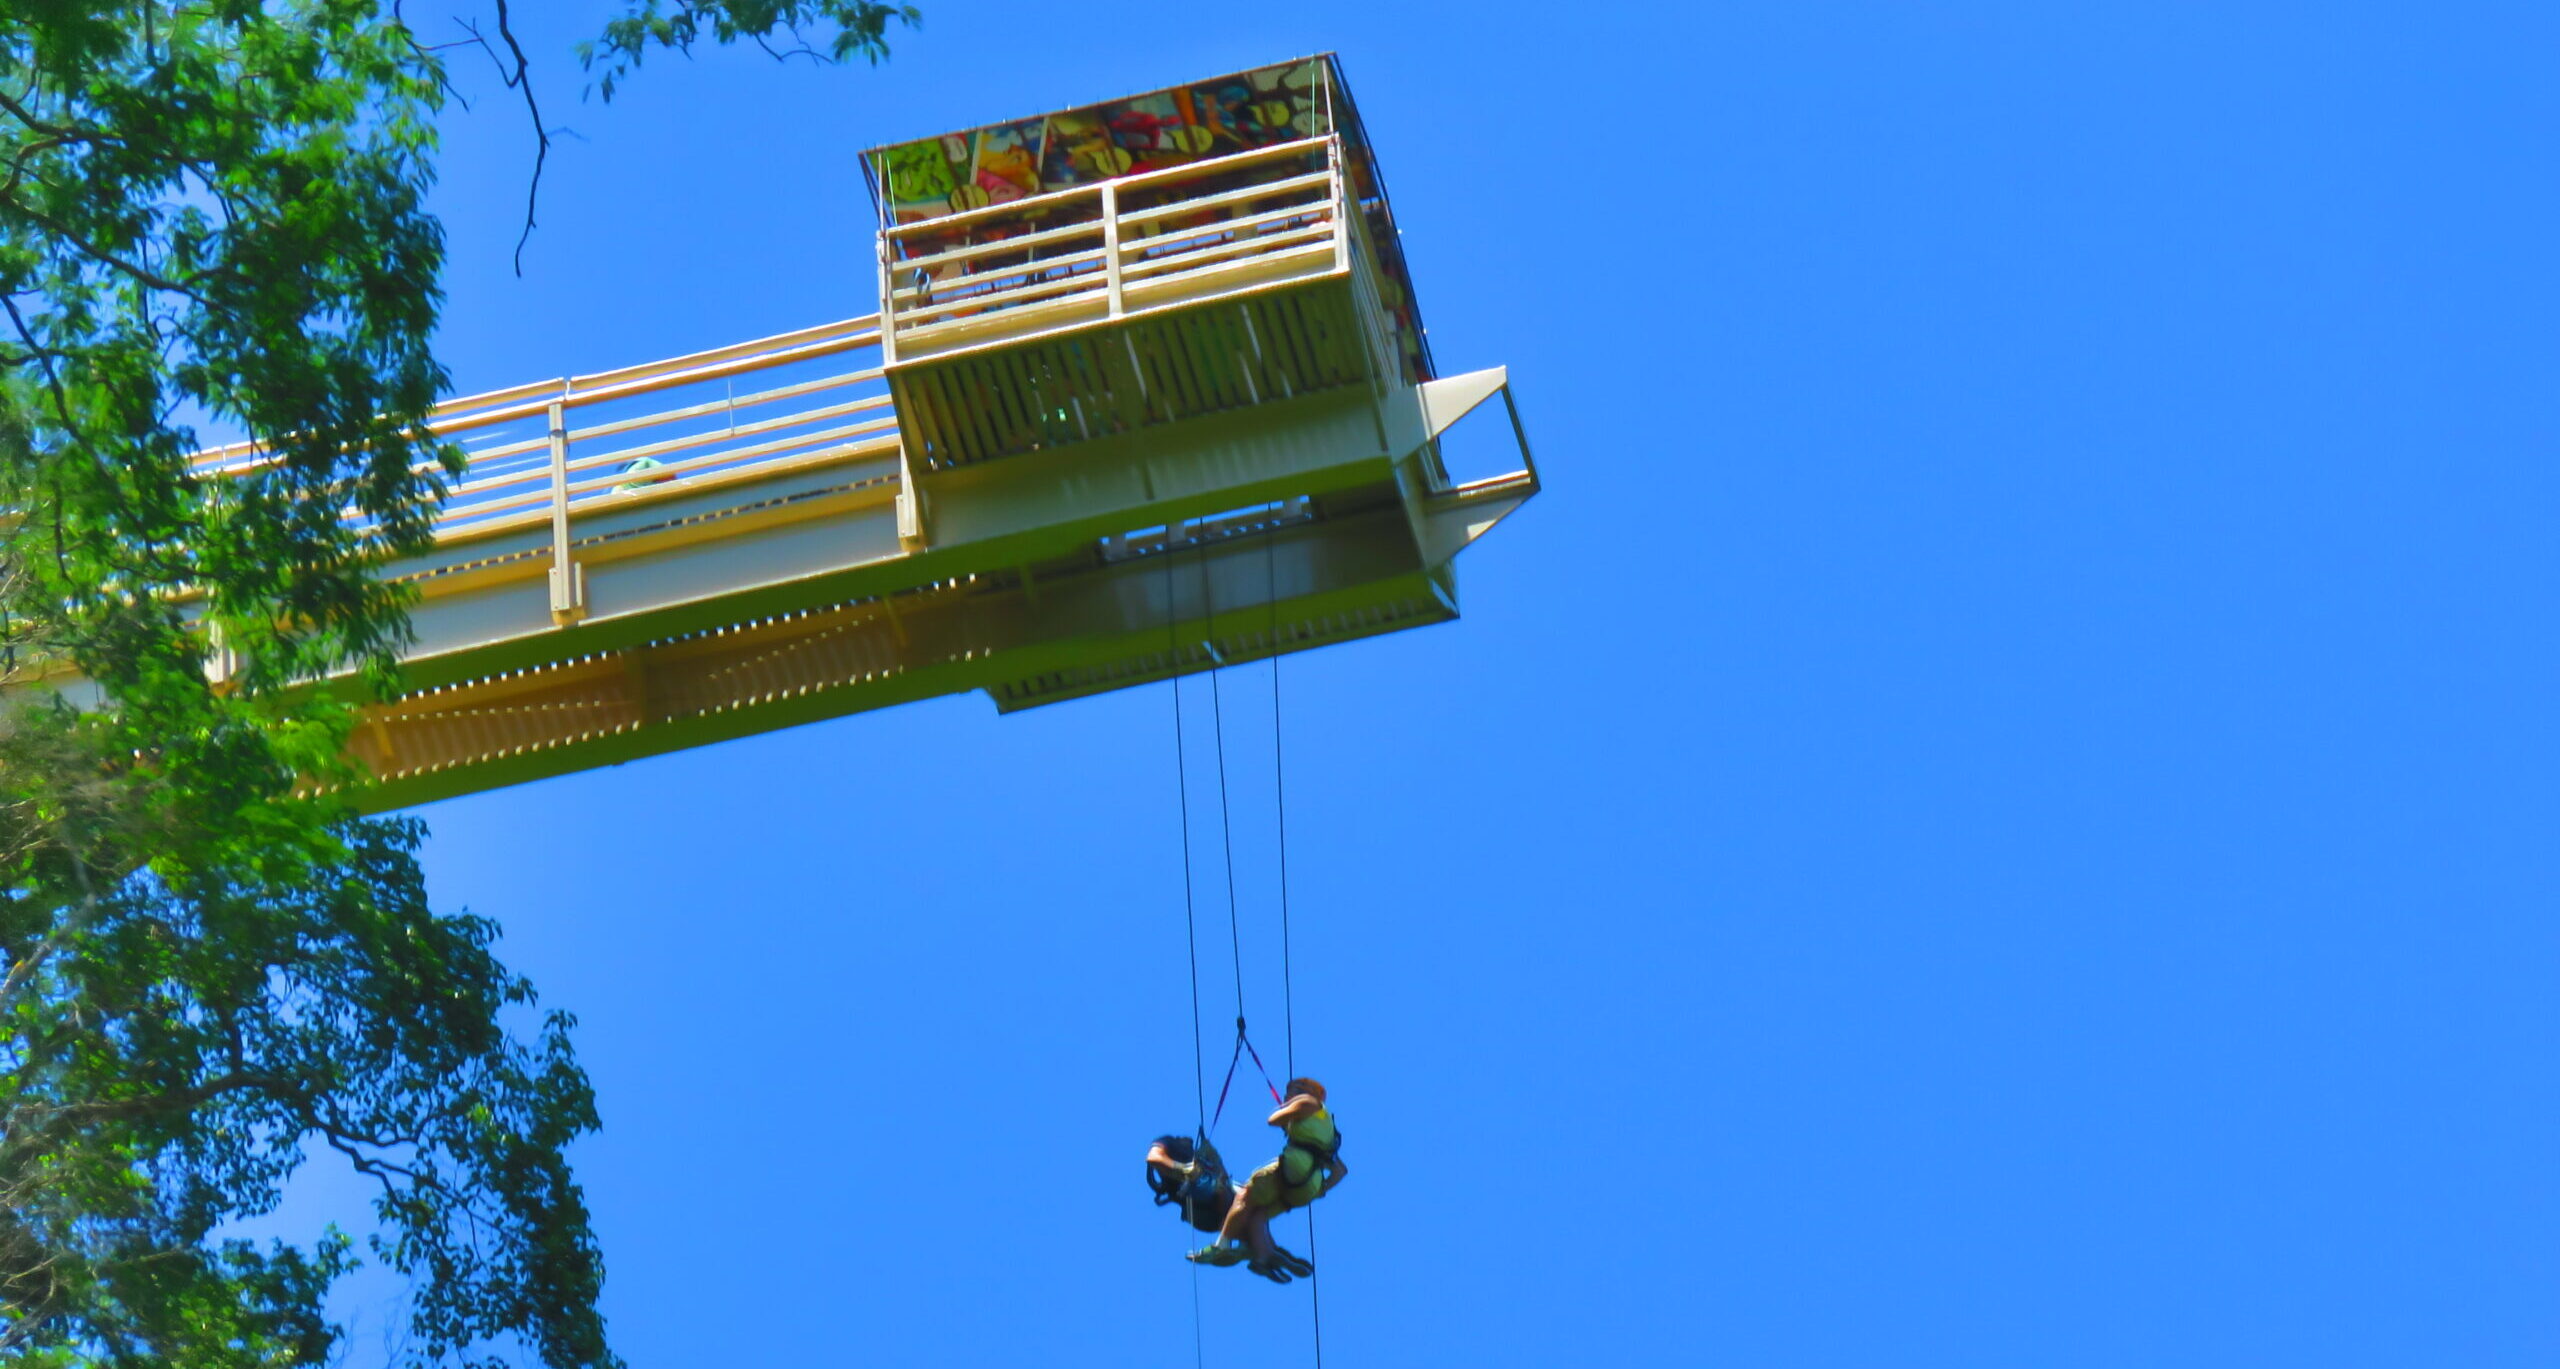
44 357
519 78
139 272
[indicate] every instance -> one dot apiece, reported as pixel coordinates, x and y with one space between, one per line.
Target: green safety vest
1312 1141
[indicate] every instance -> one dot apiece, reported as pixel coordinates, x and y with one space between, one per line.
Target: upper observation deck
1194 250
1148 394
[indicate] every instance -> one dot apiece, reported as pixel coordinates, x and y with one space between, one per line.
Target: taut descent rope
1190 923
1235 928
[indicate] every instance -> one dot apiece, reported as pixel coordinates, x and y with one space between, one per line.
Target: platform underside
1046 576
1026 641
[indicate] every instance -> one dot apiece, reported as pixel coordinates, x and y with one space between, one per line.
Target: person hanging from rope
1309 1165
1190 1175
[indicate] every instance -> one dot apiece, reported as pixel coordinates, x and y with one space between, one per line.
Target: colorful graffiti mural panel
976 169
979 167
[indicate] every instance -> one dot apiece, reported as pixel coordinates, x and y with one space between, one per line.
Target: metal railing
551 452
800 407
748 411
1115 248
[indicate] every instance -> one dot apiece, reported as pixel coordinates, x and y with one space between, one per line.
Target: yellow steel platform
1174 413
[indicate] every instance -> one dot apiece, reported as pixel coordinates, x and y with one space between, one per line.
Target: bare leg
1249 1224
1239 1217
1257 1234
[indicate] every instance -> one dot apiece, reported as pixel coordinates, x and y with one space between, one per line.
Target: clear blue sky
2000 810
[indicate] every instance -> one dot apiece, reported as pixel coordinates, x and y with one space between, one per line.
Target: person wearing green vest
1310 1164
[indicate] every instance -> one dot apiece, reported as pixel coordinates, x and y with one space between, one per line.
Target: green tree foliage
848 28
212 213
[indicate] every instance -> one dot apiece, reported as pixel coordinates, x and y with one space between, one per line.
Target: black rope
1315 1291
1182 792
1280 790
1280 799
1190 923
1226 814
1226 827
1227 831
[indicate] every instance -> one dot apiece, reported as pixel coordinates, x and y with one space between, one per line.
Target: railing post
568 583
888 301
1111 246
220 664
1341 205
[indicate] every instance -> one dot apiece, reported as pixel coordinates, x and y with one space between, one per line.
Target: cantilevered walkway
1099 436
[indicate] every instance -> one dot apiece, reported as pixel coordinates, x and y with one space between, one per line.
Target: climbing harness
1203 1190
1244 1047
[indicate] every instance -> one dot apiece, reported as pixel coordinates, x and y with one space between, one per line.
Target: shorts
1266 1190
